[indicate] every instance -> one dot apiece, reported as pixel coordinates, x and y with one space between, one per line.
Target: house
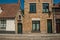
38 16
9 14
56 12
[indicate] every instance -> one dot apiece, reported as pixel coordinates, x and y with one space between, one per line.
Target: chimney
19 3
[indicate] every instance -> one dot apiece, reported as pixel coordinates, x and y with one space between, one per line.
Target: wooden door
19 28
58 25
49 26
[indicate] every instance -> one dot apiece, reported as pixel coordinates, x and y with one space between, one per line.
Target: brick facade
27 19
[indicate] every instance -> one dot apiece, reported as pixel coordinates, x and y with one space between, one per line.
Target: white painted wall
10 25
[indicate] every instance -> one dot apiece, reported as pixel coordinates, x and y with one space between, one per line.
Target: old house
38 16
56 11
8 17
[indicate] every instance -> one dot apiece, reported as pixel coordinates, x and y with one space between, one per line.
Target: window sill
45 12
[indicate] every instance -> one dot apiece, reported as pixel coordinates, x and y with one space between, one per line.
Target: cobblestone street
29 36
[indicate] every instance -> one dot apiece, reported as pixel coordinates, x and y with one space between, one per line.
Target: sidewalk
29 36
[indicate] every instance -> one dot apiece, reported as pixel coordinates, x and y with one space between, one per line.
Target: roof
9 10
56 6
56 9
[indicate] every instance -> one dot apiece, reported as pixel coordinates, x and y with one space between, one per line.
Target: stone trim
45 2
36 19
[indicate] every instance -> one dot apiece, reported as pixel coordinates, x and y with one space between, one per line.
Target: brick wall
27 20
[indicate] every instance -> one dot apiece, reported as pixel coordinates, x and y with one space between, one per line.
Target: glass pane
37 26
45 4
46 10
43 10
4 22
33 26
4 25
30 8
1 25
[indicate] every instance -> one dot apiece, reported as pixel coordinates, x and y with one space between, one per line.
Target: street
29 36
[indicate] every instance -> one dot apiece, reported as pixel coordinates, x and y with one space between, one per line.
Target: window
57 21
35 25
32 7
56 9
45 7
19 16
2 24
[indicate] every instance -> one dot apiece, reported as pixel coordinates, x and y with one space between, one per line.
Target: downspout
16 22
54 20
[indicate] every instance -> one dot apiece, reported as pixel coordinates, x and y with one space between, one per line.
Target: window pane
33 26
1 25
4 21
47 10
44 10
38 27
4 25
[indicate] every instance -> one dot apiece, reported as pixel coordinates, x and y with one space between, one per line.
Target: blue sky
56 1
12 1
22 2
7 1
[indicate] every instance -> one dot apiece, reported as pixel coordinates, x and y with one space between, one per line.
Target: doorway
19 28
49 26
58 25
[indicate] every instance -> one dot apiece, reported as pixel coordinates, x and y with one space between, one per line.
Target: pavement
37 36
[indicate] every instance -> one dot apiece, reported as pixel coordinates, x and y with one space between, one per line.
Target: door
19 28
49 26
58 25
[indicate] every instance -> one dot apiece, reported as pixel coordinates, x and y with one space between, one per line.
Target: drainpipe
19 3
54 20
16 22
